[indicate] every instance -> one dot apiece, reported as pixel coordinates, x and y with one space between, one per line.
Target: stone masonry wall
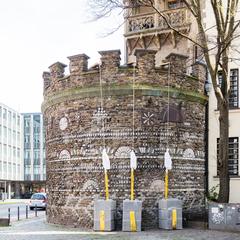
75 135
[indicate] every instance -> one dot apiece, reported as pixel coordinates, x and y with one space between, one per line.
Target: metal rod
132 184
18 213
106 185
166 185
9 214
26 211
35 210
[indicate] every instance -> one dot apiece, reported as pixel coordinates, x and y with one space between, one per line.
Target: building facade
11 164
234 118
146 29
34 152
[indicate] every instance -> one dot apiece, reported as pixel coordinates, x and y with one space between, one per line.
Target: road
36 228
14 211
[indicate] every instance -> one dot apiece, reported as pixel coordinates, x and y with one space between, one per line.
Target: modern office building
11 164
22 153
34 152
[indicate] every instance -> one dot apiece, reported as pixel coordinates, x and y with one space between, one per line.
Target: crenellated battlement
112 73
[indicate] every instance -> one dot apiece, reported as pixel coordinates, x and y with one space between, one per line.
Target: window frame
234 156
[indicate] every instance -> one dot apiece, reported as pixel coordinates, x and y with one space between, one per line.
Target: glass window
36 124
14 137
5 134
18 153
9 118
9 136
27 123
14 170
232 155
233 96
36 139
5 170
4 114
9 170
173 4
9 153
27 141
5 152
18 121
18 138
14 118
14 153
27 169
36 157
36 169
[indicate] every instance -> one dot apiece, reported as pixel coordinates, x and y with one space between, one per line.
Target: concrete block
4 222
132 206
126 227
167 224
109 209
171 202
167 213
166 208
224 216
109 226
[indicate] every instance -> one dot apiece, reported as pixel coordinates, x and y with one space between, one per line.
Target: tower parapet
57 70
78 64
113 73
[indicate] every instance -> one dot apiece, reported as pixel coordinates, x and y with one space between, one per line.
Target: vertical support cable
101 105
166 188
133 108
168 100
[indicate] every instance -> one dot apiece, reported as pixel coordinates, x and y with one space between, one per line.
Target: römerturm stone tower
169 112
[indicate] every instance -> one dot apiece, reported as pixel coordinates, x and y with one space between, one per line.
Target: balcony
178 18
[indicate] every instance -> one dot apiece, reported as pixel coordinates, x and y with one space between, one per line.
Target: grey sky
36 33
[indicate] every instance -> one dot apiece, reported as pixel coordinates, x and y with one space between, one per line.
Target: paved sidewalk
38 229
14 201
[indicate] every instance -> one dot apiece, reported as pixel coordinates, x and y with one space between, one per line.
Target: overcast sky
36 33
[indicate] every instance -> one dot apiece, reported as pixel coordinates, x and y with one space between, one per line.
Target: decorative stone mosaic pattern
77 128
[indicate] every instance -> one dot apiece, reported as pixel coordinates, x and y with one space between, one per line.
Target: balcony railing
176 17
138 23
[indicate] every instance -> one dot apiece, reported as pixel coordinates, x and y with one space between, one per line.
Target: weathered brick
75 136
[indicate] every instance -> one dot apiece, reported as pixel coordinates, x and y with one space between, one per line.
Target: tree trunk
223 153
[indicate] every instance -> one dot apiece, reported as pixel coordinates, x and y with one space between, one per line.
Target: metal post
132 184
26 211
35 210
9 214
106 184
18 213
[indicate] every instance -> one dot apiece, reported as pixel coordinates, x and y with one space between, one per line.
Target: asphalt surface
36 228
23 210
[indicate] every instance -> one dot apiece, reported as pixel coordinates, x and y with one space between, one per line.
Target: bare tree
225 32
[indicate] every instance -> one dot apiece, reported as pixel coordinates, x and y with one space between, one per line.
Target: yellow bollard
106 185
166 185
102 220
174 218
132 184
133 225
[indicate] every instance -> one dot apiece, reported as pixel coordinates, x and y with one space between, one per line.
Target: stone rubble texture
75 177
